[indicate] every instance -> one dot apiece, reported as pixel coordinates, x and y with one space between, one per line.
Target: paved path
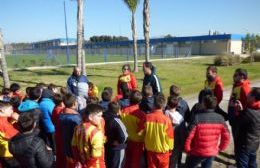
224 160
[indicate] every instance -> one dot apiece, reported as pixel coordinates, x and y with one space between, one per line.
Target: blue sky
34 20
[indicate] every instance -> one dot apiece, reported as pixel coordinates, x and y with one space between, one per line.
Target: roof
169 40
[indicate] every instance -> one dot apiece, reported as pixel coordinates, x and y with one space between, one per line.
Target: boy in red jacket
202 143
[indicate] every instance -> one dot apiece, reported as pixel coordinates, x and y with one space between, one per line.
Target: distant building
54 43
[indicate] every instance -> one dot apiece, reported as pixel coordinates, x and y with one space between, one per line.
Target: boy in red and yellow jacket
132 117
158 135
88 139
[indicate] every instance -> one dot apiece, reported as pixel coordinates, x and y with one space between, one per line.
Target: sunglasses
125 69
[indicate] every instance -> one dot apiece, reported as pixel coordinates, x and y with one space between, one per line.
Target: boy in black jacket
116 134
249 131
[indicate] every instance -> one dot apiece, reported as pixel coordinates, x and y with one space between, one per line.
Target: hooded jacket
78 85
28 105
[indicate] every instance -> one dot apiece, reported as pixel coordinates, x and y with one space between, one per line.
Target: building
60 42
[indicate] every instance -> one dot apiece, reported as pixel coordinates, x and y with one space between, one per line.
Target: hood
28 105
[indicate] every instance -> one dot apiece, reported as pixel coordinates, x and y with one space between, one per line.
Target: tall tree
3 62
146 27
80 37
132 5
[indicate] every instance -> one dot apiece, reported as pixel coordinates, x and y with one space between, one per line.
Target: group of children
46 128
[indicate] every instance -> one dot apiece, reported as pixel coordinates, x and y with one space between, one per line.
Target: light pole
66 29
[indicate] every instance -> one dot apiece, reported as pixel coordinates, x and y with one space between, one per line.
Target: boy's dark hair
175 91
92 109
4 104
27 90
203 93
148 65
35 93
109 89
26 121
41 85
172 102
6 91
212 68
92 100
159 101
63 90
210 102
90 84
113 107
51 86
255 92
106 95
135 97
15 87
242 72
15 101
57 99
69 100
147 91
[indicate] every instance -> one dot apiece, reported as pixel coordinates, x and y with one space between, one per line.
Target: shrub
256 56
227 60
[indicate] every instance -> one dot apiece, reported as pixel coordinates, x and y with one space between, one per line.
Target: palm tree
3 62
132 5
80 37
146 27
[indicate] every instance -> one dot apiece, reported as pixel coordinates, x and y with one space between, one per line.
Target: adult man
78 84
214 83
150 78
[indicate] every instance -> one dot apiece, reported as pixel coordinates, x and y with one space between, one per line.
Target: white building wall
236 47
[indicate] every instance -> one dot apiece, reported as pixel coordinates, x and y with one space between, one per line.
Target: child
116 134
93 90
202 143
7 131
249 131
88 139
32 101
132 116
58 109
16 91
147 102
158 135
92 100
69 119
124 101
106 99
6 95
27 147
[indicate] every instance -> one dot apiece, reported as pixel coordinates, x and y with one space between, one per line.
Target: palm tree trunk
146 27
3 63
134 34
80 33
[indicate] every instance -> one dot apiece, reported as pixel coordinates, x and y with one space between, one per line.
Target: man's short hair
69 100
35 93
241 72
15 87
212 68
93 109
255 92
135 97
159 101
175 91
148 65
106 95
113 107
26 121
210 102
147 91
172 102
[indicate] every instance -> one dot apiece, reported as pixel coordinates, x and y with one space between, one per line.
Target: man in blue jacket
150 78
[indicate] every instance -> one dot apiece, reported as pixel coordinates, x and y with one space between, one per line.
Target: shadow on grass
229 156
225 162
46 72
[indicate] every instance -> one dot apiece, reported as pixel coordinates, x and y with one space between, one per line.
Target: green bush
256 58
227 60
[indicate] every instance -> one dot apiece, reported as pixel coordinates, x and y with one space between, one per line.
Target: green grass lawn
188 74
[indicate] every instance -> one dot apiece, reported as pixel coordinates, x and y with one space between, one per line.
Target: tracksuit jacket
217 87
153 81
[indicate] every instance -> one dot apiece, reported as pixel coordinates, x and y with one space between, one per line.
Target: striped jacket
132 117
153 81
158 132
88 145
